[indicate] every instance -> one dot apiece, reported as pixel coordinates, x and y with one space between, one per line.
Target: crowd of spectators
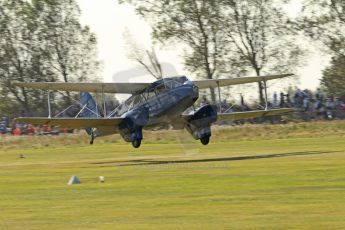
315 105
318 105
308 105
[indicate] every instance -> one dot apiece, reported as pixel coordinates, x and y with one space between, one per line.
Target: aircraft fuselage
164 100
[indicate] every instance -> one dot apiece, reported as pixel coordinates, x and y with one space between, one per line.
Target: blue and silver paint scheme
160 104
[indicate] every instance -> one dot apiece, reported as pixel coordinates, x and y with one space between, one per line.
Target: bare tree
192 23
144 57
260 35
324 21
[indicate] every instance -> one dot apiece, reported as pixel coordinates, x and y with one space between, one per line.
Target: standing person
305 103
275 100
288 100
3 126
298 99
242 100
319 95
282 102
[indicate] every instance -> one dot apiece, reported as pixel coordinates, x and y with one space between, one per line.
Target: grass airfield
253 181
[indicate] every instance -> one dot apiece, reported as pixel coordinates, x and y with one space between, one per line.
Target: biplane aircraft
162 102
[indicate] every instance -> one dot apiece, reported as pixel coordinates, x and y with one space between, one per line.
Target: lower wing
235 116
77 123
251 114
80 123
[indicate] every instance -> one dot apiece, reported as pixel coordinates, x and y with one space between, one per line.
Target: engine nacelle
131 127
199 125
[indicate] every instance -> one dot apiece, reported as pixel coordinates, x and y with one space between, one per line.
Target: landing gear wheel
92 139
205 140
136 143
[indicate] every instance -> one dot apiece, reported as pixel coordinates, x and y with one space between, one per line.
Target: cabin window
171 84
160 89
150 94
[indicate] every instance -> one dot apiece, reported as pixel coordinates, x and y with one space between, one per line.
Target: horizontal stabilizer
126 88
252 114
203 84
71 122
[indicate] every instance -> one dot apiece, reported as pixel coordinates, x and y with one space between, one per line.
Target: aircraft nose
193 90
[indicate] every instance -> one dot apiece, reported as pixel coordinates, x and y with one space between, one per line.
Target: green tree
261 37
333 78
43 40
324 21
20 57
69 47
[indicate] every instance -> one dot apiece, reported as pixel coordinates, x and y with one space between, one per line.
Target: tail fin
90 105
89 110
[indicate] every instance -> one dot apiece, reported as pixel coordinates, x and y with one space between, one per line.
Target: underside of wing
126 88
181 122
203 84
252 114
71 122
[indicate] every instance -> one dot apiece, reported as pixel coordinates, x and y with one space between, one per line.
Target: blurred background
133 40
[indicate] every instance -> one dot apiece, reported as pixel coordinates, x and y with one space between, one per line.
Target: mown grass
296 181
221 133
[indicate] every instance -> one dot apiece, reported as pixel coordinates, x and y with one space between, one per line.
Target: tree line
224 38
43 40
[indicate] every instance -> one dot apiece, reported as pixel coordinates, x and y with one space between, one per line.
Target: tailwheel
136 143
92 138
205 140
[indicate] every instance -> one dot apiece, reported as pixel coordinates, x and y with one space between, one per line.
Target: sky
109 20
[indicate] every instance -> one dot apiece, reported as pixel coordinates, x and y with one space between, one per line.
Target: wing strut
104 104
219 97
82 109
49 106
266 98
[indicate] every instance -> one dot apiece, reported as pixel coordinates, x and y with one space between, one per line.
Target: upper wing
203 84
129 88
252 114
71 122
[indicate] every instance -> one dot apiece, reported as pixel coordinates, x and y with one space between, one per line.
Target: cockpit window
131 103
134 101
171 83
160 88
149 94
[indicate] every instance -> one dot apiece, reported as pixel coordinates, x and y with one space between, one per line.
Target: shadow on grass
139 162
